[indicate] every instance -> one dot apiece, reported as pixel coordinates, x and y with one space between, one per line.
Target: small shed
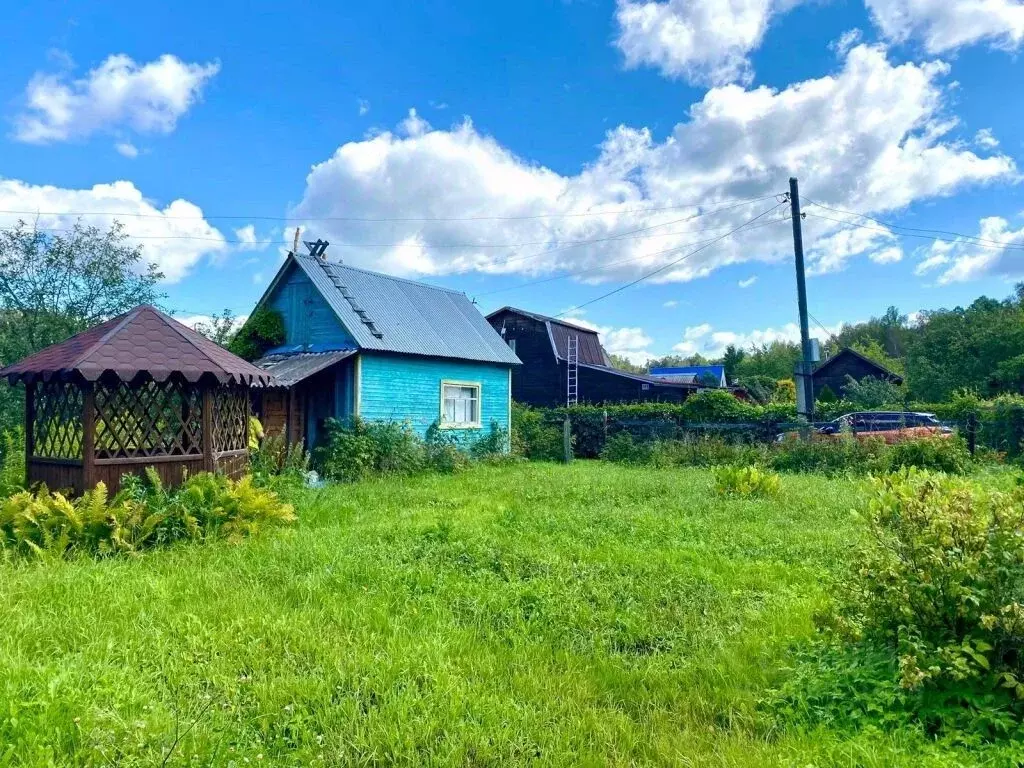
139 390
832 373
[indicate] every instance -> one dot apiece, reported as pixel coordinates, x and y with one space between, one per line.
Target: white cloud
945 25
871 138
746 283
164 233
670 304
364 107
986 139
705 340
204 323
127 149
846 41
118 94
886 255
703 41
1000 253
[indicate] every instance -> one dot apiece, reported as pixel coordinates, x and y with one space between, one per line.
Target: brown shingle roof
142 341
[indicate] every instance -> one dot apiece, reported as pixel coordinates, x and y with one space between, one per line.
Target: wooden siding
541 379
274 414
408 389
834 373
538 381
309 321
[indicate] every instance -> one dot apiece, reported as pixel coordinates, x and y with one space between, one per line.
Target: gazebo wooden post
88 436
30 428
209 459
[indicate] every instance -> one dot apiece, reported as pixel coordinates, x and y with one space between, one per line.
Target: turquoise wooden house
361 343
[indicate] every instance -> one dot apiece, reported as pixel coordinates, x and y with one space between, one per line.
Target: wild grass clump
275 461
12 461
746 482
142 515
927 623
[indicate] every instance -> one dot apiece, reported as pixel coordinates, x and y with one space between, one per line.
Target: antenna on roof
295 242
317 249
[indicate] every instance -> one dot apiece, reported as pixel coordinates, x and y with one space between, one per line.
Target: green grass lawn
536 614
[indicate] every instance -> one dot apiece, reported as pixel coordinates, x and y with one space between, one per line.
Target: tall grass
509 615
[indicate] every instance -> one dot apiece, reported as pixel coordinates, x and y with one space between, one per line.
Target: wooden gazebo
137 391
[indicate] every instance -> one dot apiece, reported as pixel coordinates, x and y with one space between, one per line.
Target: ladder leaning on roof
572 357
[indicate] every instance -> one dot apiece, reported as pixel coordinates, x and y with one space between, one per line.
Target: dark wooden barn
140 390
832 373
545 345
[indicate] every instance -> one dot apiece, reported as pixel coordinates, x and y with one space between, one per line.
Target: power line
377 219
670 264
959 235
567 275
998 247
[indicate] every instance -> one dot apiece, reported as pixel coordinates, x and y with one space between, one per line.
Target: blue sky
489 147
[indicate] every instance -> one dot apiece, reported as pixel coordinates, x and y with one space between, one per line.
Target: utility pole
804 384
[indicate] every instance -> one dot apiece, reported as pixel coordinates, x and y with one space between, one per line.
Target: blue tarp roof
718 371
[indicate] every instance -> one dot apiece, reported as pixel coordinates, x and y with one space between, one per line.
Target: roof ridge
179 328
128 316
385 275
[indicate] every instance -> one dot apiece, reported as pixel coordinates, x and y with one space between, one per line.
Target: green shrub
442 452
494 444
358 449
827 455
746 482
263 330
928 625
532 437
712 406
142 515
939 454
621 448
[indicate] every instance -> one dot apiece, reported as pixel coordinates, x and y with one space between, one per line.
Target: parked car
891 426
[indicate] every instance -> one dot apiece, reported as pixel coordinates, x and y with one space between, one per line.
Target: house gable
310 323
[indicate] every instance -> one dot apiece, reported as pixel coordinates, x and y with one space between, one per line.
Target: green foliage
826 396
760 388
872 392
625 364
276 461
939 454
141 516
713 406
221 328
358 449
533 437
263 330
749 481
777 360
930 617
828 455
12 461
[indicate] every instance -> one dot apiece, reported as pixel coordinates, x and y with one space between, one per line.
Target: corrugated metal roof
590 349
288 370
389 314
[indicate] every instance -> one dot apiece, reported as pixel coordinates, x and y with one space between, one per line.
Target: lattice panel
230 419
155 419
57 426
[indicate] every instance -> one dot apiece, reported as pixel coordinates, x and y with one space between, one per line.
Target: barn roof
141 341
559 331
390 314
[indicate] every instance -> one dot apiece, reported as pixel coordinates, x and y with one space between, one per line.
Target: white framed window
460 404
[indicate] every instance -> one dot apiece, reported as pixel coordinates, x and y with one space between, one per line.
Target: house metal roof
389 314
141 341
290 369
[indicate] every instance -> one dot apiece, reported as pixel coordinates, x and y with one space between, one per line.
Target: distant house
360 343
832 373
692 374
547 346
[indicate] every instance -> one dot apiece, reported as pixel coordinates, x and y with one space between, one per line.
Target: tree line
979 348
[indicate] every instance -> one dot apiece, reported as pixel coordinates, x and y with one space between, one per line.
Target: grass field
535 614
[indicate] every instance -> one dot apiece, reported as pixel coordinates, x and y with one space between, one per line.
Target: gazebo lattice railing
181 406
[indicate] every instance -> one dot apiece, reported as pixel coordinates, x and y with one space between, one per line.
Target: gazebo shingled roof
143 341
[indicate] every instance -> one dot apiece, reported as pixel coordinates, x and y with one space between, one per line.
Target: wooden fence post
567 439
972 431
88 438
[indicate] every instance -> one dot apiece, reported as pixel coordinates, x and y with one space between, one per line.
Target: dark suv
891 425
